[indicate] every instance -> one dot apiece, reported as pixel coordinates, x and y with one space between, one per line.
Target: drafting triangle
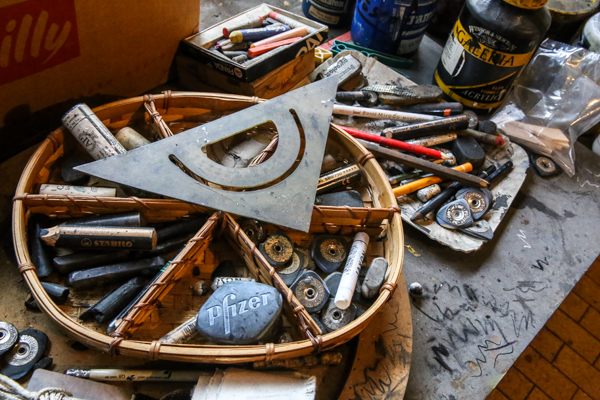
166 167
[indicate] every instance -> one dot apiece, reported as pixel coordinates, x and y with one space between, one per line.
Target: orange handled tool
424 182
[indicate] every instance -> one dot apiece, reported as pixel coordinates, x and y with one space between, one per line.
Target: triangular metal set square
164 167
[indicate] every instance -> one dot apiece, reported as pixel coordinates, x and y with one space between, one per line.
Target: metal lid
572 8
527 4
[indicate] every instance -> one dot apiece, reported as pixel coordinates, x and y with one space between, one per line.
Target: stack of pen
434 151
252 36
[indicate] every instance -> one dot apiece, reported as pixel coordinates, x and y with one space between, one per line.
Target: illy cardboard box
54 54
198 46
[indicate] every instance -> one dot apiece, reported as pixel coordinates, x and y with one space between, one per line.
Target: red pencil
396 144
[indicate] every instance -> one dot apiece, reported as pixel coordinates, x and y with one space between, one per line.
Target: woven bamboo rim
325 219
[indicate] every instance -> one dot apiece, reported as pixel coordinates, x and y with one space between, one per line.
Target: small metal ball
415 289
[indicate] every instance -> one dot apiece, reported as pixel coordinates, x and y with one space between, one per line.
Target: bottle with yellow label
490 44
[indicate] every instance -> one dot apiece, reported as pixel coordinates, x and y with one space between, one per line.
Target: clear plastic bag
556 99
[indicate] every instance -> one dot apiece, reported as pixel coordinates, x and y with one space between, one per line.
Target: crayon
292 33
428 141
93 135
158 375
95 237
240 59
180 227
292 23
131 139
87 259
39 257
109 306
482 137
114 273
130 219
67 190
256 51
253 35
232 54
250 21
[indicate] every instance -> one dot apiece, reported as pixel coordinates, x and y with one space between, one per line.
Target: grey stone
240 313
374 277
311 291
335 318
333 282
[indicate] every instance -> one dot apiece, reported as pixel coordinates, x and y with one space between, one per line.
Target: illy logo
36 35
230 309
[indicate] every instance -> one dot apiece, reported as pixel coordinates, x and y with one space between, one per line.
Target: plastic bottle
395 27
334 13
492 41
589 38
596 145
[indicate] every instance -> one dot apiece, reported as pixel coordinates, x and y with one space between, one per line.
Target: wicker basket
152 317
